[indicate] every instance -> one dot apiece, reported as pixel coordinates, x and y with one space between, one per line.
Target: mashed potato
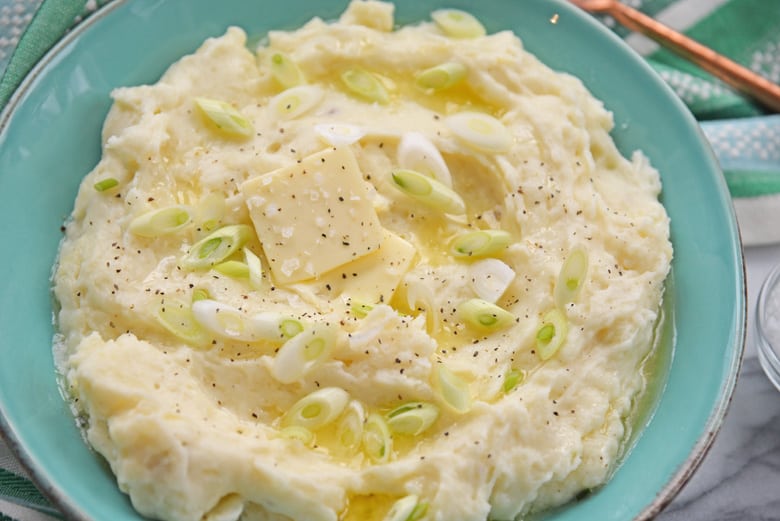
326 281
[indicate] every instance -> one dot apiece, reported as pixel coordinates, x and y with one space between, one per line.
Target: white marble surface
739 478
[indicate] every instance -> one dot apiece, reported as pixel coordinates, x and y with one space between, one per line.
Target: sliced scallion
223 320
296 101
255 267
480 131
230 322
296 432
421 297
285 71
303 352
408 508
480 243
274 326
417 152
217 246
365 85
429 191
163 221
178 319
490 278
289 327
420 509
571 277
551 334
442 76
412 418
317 409
225 117
211 211
339 134
200 294
481 314
233 269
452 389
349 431
377 442
106 184
457 23
359 308
512 379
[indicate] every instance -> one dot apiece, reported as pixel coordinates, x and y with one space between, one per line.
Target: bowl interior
50 138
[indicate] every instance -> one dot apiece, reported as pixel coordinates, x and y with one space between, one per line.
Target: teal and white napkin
745 138
749 153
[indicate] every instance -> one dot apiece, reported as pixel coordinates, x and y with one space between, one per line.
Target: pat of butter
371 279
313 216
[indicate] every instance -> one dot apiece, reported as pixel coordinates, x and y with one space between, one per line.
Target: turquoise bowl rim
72 510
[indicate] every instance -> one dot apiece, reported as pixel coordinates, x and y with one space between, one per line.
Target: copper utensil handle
730 72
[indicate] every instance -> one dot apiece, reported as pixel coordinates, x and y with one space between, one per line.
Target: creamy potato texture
364 272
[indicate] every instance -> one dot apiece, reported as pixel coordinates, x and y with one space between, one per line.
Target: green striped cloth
745 139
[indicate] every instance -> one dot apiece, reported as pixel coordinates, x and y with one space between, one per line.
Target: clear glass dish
768 326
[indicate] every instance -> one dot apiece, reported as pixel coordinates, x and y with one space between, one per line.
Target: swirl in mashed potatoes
326 281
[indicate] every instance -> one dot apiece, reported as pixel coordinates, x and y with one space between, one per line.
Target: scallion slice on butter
296 101
377 442
480 243
442 76
412 418
551 334
480 131
490 278
483 315
225 117
408 508
217 246
457 23
365 85
285 71
349 430
303 352
339 134
417 152
163 221
317 409
428 191
452 390
571 277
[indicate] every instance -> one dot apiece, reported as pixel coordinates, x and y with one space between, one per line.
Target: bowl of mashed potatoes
364 261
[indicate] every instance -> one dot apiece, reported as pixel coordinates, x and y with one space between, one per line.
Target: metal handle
730 72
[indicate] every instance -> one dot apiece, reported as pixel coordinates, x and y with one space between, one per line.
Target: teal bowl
50 138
